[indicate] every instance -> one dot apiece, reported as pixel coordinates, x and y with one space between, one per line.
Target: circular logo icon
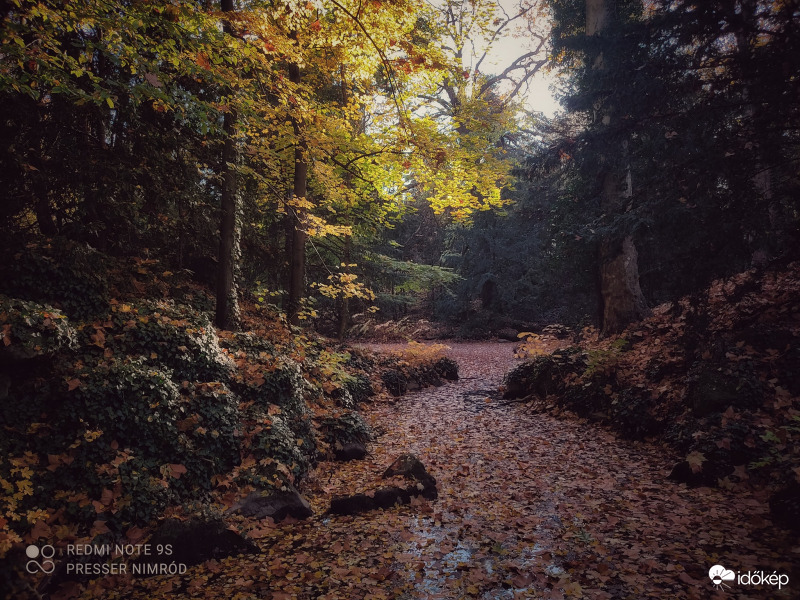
719 575
46 552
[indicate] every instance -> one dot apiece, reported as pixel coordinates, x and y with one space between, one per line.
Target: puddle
446 559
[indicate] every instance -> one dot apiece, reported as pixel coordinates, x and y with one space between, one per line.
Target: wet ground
530 506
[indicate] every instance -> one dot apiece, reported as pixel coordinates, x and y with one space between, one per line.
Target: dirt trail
530 506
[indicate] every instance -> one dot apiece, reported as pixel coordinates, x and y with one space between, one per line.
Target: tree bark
297 262
620 296
227 310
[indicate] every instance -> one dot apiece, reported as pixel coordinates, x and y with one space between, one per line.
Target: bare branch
499 30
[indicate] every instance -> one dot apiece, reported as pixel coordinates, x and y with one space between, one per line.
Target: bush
395 382
632 416
280 455
359 387
211 426
66 273
544 374
129 441
129 402
29 330
164 334
447 368
587 398
344 429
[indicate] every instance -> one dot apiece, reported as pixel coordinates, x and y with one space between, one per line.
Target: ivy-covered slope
716 376
119 400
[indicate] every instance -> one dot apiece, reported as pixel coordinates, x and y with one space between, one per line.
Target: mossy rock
198 540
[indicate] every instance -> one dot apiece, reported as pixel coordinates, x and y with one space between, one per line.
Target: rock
406 465
197 541
389 496
682 473
507 333
411 467
351 505
385 497
351 451
710 473
276 505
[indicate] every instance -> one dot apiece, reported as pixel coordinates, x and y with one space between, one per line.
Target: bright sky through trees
506 49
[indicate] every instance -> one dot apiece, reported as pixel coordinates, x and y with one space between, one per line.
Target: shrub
29 329
360 387
164 334
69 274
211 426
281 456
344 429
544 374
130 402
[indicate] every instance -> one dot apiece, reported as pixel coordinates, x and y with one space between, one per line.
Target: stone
276 505
411 467
351 451
198 540
406 465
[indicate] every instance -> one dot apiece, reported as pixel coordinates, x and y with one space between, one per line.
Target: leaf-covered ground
530 506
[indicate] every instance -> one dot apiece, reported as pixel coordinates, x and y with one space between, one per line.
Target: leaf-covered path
530 506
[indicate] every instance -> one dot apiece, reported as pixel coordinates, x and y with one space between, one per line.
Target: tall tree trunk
297 262
620 296
227 312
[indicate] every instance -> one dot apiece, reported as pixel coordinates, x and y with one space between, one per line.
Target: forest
363 299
